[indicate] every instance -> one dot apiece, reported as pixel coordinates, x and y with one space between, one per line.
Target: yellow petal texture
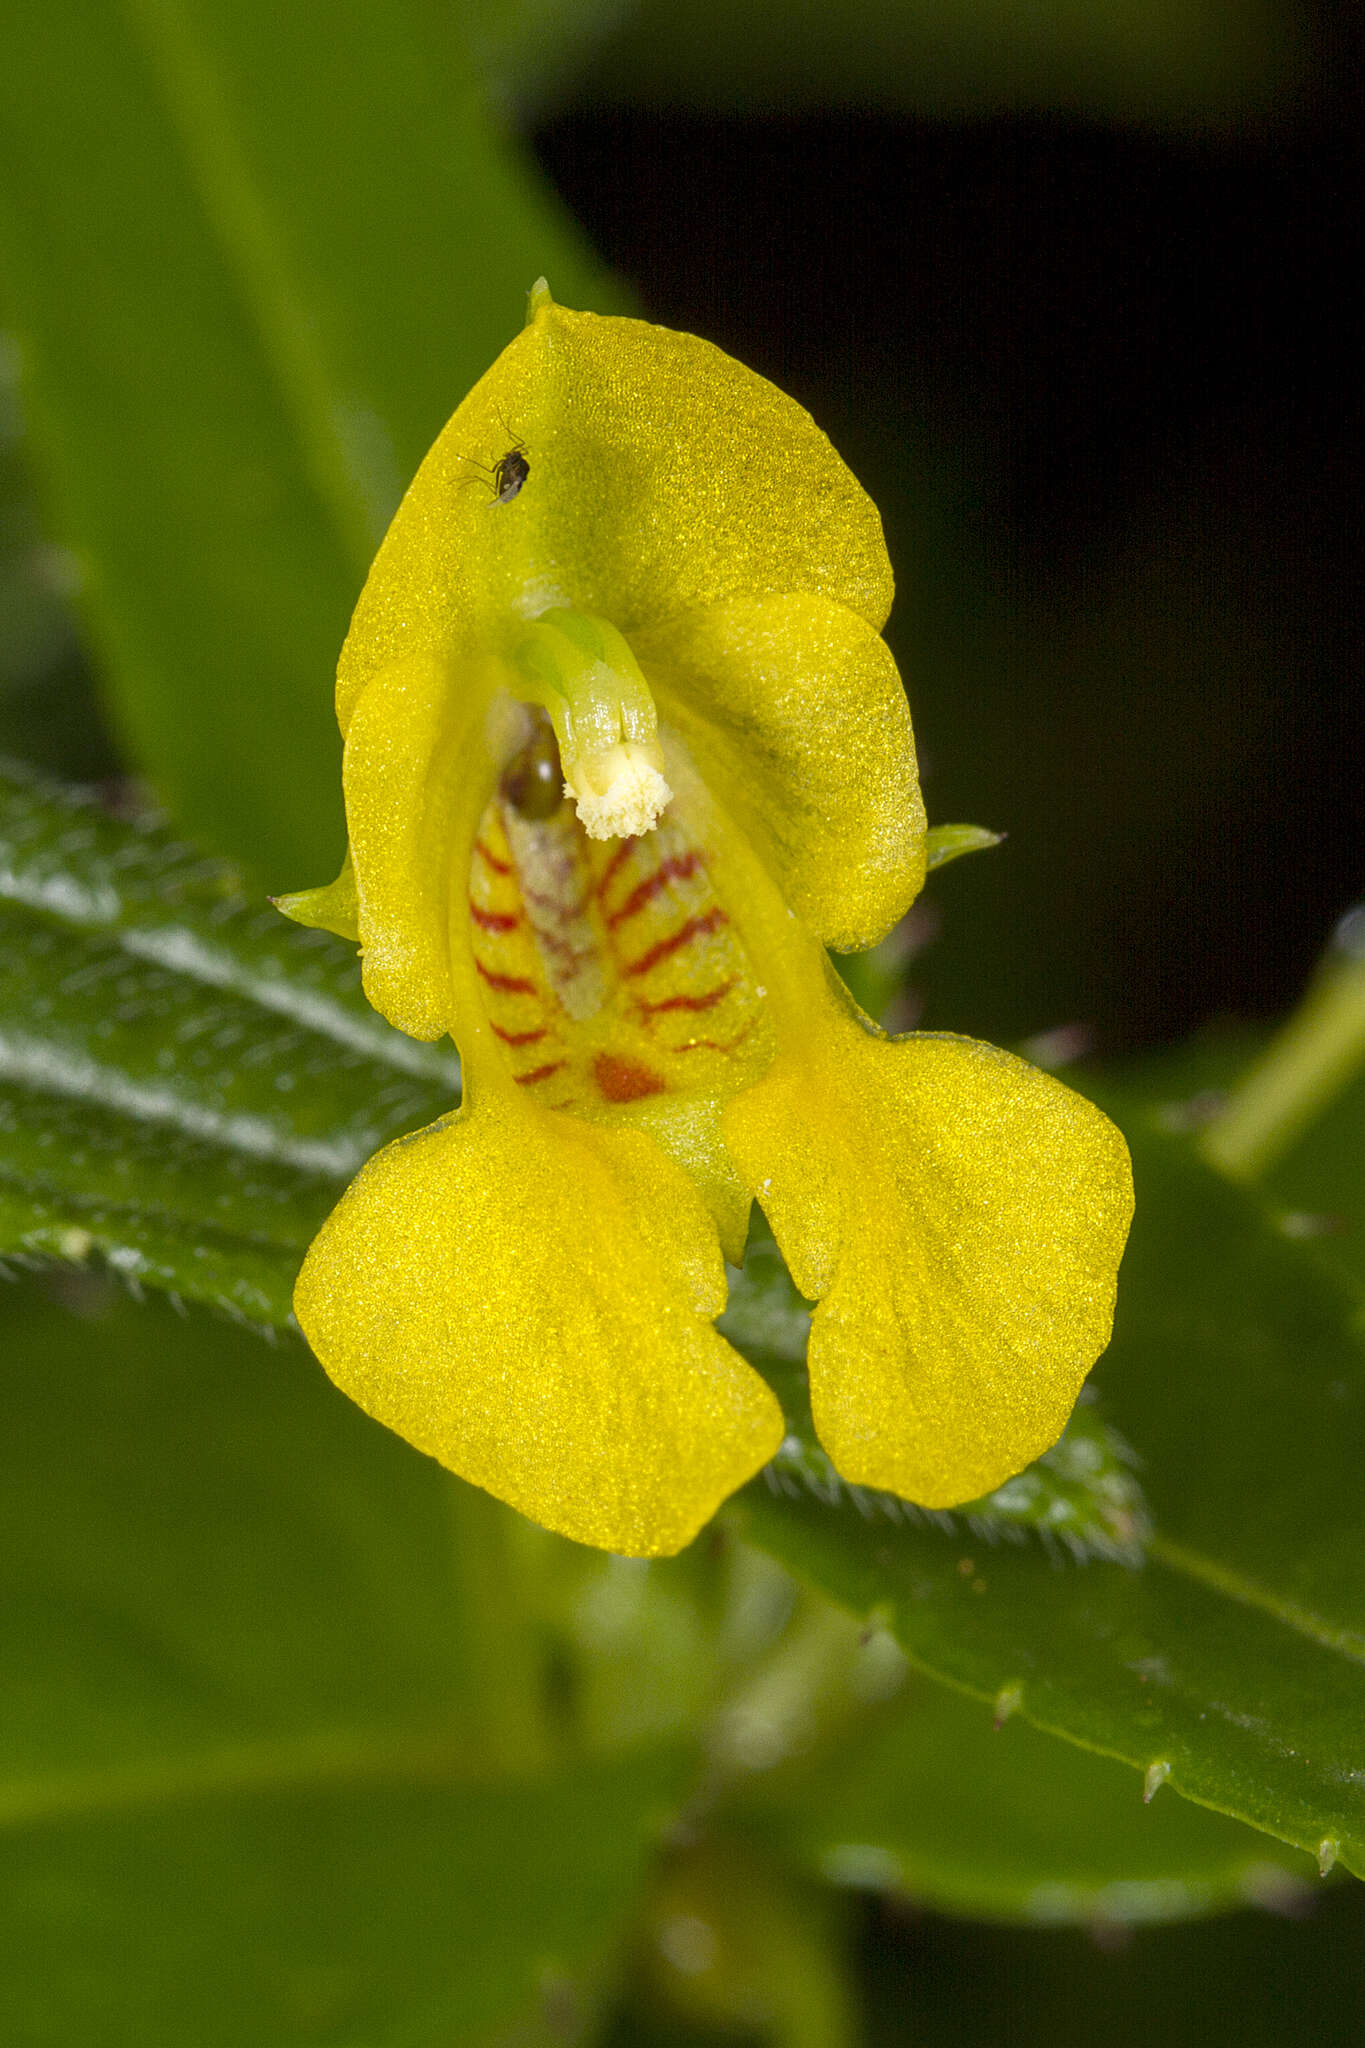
793 711
960 1217
527 1298
663 478
411 771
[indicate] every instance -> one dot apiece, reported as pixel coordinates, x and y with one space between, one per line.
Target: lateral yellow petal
793 711
528 1298
960 1217
663 477
414 791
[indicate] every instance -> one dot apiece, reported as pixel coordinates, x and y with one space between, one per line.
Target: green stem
1313 1058
495 1572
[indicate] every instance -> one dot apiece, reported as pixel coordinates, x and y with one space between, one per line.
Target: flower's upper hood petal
527 1298
960 1217
663 478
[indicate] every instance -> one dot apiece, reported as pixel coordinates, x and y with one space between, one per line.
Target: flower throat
609 970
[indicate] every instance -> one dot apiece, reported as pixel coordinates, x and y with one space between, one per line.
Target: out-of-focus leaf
530 53
1005 1823
1200 63
1243 1980
48 713
186 1080
1320 1056
1233 1663
1321 1185
254 256
731 1944
248 1787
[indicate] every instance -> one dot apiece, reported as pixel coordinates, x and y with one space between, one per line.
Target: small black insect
507 474
510 472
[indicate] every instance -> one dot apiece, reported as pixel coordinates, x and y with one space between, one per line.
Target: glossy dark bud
533 781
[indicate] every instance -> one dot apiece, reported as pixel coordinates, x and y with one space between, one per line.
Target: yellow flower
632 564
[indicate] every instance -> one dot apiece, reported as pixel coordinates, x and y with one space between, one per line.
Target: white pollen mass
619 793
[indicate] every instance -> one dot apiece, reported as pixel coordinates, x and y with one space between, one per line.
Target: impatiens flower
624 753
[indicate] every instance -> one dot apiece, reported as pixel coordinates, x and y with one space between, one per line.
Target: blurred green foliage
1151 61
303 1741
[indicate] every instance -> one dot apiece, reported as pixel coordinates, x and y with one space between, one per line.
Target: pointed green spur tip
949 842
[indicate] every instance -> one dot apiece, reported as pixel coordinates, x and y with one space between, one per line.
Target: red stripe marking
499 867
493 920
691 1003
507 984
695 928
566 912
540 1073
614 866
675 869
713 1044
520 1037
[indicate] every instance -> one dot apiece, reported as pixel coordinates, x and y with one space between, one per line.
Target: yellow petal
663 477
416 778
795 715
960 1217
528 1299
687 1128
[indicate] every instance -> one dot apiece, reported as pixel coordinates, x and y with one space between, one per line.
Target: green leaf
187 1081
1230 1665
250 1789
1002 1822
1321 1187
254 256
48 712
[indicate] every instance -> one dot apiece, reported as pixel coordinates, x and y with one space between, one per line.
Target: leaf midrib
174 1223
242 223
42 1067
178 948
1234 1585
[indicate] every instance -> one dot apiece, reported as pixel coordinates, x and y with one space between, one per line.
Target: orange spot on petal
624 1080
